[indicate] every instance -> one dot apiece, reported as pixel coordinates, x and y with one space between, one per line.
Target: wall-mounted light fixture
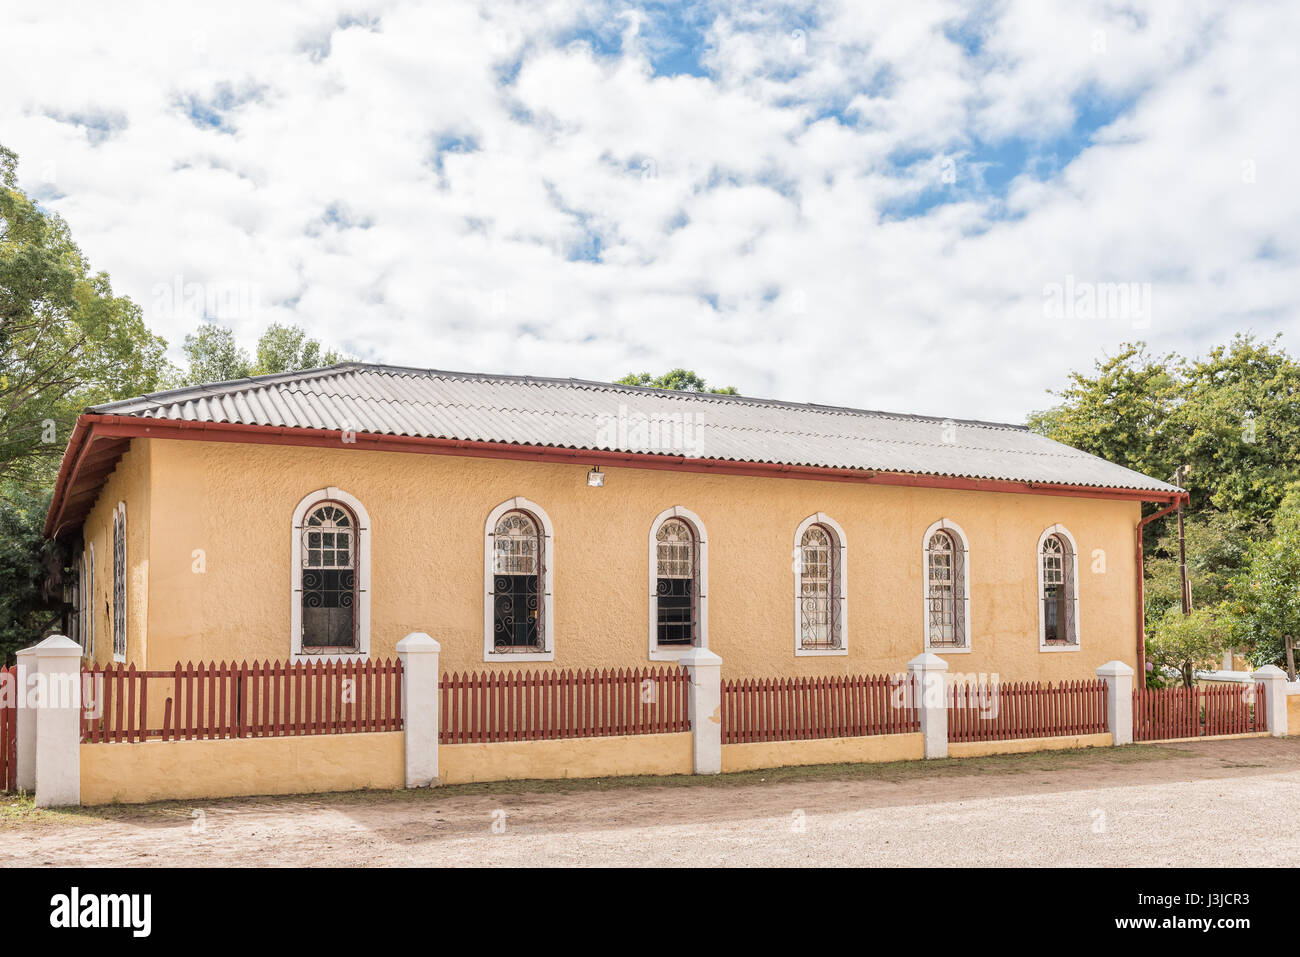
596 478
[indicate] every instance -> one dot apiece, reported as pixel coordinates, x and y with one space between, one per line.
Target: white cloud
420 183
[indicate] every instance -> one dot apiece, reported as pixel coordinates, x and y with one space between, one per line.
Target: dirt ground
1203 803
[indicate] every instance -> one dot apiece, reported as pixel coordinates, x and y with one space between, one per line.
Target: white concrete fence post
705 708
419 656
25 773
58 722
1119 700
930 687
1274 681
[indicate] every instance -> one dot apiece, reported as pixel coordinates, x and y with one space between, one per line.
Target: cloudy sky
925 206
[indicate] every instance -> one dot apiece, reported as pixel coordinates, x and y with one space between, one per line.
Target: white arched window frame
1071 569
119 583
961 557
838 592
538 514
673 652
305 507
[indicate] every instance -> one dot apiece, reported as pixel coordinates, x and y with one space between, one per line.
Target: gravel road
1105 807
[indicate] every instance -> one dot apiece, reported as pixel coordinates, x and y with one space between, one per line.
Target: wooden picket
542 705
793 709
998 711
238 700
1173 713
9 728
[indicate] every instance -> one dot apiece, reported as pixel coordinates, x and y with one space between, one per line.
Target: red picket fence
534 706
794 709
1196 712
9 728
999 711
264 699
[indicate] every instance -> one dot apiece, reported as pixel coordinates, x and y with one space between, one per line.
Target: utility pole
1182 548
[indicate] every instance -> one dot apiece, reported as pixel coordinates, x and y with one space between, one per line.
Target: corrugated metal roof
572 413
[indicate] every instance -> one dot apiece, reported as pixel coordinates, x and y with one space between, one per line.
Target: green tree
288 349
1218 547
1121 413
677 380
31 569
1266 595
1188 643
66 341
1237 424
213 355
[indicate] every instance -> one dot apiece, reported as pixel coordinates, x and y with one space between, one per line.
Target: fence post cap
25 652
1269 673
418 643
927 661
700 656
1115 669
57 646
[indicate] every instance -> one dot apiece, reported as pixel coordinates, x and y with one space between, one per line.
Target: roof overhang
99 440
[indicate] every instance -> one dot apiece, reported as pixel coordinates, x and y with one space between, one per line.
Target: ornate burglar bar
945 603
517 576
819 590
1058 588
677 582
329 579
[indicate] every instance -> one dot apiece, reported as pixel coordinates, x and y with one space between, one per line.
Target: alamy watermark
680 433
1115 301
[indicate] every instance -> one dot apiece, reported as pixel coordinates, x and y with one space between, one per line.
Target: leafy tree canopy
213 355
1188 643
66 341
678 380
1265 597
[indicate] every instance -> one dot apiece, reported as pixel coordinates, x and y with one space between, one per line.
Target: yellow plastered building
536 524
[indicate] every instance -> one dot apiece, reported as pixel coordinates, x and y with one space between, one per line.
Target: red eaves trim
91 425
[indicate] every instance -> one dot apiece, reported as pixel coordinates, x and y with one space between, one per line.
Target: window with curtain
1059 621
945 591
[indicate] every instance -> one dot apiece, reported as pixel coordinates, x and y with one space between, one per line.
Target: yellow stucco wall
234 502
166 770
978 749
1293 714
566 758
129 483
780 754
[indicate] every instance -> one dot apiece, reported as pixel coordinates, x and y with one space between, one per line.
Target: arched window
518 617
947 589
119 582
1058 591
90 602
819 587
331 577
76 620
678 584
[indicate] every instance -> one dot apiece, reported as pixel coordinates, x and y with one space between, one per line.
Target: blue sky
856 204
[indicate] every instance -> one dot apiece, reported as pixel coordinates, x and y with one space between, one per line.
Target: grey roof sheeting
576 414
